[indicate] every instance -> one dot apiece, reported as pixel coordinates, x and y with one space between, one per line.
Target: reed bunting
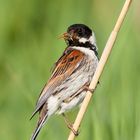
70 77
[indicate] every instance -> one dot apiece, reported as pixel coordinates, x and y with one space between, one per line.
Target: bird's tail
40 124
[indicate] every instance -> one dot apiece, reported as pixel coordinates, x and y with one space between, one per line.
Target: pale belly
72 104
72 90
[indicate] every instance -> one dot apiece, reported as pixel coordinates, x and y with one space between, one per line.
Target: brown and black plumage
72 73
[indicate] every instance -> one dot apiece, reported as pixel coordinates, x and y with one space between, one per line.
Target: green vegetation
29 46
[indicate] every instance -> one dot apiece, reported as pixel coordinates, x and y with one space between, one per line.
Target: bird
70 78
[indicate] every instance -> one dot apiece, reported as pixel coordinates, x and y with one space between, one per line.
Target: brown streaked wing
63 69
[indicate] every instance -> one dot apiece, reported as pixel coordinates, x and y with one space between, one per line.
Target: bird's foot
89 89
70 125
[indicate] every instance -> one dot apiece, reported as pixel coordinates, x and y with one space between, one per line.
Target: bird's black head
80 35
79 31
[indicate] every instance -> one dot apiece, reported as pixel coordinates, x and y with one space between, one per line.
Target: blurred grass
29 47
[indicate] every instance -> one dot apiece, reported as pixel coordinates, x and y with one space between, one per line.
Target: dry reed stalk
99 70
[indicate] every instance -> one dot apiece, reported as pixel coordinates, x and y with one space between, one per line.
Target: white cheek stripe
83 40
91 39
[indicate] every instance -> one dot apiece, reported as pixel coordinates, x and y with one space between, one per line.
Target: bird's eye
80 32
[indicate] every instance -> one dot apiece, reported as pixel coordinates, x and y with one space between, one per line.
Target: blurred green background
29 46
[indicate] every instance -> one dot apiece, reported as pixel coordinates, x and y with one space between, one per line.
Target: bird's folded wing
65 66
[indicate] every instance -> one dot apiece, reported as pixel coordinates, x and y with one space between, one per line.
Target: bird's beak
66 36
